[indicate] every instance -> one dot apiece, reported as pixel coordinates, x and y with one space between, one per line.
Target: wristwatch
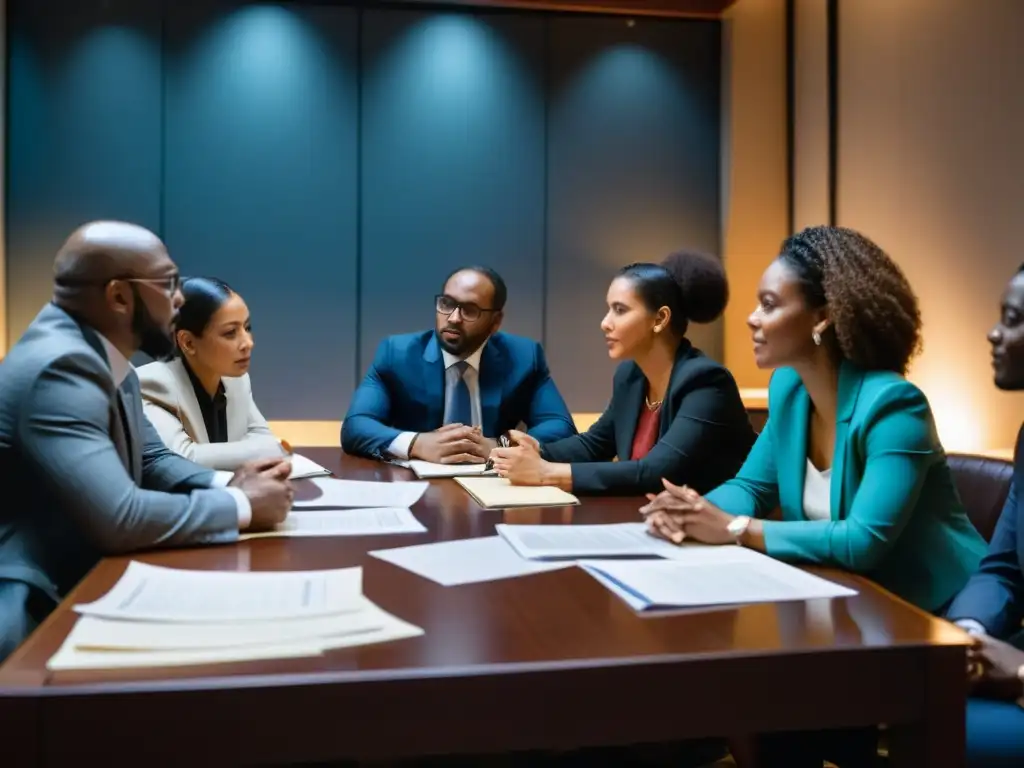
738 526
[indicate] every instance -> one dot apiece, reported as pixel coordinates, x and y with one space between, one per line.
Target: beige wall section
931 116
810 114
754 173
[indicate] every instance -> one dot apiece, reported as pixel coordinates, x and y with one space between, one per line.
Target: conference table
549 661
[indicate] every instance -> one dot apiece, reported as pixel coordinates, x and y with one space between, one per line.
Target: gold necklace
652 406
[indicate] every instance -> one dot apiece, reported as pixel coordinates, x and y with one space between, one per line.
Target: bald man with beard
84 473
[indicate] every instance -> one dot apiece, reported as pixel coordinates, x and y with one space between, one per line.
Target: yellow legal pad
499 493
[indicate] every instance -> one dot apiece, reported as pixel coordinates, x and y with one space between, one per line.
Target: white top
817 493
399 447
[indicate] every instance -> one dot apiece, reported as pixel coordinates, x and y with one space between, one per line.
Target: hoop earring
817 338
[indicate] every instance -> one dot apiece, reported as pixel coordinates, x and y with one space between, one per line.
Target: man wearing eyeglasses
85 472
446 395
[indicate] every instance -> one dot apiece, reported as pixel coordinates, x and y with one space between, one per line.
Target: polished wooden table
549 661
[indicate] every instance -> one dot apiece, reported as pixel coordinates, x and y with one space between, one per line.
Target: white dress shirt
399 447
817 493
119 369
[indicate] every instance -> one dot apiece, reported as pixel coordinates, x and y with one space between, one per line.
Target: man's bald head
101 251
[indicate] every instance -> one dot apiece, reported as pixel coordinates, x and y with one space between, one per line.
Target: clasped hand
453 444
994 669
680 513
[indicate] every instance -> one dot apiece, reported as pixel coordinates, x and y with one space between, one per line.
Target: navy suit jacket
404 392
994 596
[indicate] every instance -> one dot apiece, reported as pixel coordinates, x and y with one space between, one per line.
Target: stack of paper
165 616
341 494
544 542
499 493
303 468
378 521
734 577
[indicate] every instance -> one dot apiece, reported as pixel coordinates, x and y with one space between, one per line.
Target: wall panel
452 164
633 174
261 158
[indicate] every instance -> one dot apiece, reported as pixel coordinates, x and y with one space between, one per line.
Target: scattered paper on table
666 584
538 542
466 561
376 521
340 494
68 657
152 593
303 467
499 493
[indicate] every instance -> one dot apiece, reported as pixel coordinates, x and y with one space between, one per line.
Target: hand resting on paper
521 464
452 444
680 513
265 483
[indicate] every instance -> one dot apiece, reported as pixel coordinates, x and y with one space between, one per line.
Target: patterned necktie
461 411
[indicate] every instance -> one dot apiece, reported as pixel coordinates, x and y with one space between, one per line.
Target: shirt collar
119 365
473 361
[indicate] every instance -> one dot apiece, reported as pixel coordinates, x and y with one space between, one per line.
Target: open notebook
499 493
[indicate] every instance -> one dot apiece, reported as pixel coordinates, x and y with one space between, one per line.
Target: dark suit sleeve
64 433
365 432
596 444
703 428
994 596
548 418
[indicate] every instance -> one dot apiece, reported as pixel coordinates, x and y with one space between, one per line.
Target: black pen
503 442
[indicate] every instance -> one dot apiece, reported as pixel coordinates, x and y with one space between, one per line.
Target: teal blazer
896 514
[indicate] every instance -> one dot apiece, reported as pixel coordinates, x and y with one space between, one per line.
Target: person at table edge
991 606
674 412
446 395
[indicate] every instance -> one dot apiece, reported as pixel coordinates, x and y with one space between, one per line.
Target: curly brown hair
874 312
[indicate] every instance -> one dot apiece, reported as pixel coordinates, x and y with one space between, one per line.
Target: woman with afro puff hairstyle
674 413
850 452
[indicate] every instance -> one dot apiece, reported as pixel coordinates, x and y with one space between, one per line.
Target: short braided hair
874 311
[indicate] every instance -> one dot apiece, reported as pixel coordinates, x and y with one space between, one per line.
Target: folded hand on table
521 463
995 669
679 513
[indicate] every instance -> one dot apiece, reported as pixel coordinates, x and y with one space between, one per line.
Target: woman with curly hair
674 413
850 452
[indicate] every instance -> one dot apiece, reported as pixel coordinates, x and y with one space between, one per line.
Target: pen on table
503 442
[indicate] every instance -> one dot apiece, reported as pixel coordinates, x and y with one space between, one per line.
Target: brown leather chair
983 484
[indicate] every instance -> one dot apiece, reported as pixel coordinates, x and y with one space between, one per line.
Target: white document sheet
428 469
340 494
151 593
303 468
467 561
344 522
539 542
71 655
666 584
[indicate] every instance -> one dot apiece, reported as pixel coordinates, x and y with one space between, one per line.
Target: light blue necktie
461 411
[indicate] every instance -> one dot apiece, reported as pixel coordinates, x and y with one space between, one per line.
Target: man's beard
153 340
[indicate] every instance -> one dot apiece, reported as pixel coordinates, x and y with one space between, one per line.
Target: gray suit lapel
128 394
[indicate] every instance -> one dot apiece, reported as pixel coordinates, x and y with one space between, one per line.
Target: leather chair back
983 484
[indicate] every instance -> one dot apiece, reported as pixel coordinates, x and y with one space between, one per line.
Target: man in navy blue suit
991 606
446 395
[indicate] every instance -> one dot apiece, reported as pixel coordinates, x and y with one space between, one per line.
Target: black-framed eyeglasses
170 284
446 305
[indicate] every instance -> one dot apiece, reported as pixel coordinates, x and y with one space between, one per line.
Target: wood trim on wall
711 9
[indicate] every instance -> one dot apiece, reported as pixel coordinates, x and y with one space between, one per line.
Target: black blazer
704 433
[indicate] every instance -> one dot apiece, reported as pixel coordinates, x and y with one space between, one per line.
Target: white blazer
171 406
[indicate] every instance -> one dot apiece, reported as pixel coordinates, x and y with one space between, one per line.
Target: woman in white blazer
201 401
